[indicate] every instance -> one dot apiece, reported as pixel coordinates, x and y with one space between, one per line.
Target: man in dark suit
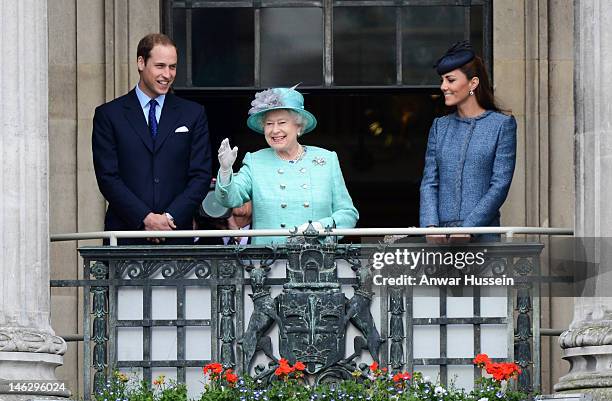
151 149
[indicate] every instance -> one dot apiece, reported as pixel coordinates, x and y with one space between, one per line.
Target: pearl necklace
297 157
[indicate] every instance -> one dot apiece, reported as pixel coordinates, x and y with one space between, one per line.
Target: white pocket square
181 129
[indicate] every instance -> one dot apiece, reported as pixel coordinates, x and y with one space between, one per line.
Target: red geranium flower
230 376
503 371
299 366
283 368
482 360
374 366
214 367
401 376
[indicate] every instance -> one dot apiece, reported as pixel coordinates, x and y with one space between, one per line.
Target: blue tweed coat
286 194
468 170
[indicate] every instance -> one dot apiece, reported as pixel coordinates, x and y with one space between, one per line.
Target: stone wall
92 59
92 50
533 77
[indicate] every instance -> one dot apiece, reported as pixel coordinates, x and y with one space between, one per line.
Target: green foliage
372 384
488 389
115 389
121 388
142 391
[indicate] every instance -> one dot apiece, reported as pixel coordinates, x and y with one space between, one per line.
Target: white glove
227 157
318 226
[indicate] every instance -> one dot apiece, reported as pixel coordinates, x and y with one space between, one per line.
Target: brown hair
484 91
147 44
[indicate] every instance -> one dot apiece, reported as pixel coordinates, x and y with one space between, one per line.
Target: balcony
173 309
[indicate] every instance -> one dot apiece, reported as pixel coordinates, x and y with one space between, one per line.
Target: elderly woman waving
288 183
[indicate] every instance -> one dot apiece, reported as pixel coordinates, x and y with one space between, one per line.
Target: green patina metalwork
312 311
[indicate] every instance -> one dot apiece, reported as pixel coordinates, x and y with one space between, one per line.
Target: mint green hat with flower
275 99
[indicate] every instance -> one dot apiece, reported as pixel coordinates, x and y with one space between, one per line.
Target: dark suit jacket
138 175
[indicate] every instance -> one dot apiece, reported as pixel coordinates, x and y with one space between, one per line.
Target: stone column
29 349
587 344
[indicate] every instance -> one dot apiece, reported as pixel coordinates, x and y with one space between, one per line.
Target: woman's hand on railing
459 238
437 239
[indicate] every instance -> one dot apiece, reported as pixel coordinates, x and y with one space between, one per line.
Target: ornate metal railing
312 311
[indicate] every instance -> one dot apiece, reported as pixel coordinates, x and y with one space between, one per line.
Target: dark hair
147 44
484 91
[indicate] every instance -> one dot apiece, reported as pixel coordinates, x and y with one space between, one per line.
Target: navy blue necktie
152 118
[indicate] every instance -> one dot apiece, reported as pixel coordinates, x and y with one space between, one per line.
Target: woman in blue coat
471 152
288 183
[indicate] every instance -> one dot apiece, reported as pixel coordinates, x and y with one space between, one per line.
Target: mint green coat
286 195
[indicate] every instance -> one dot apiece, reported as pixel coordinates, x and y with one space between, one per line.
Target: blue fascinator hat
458 55
275 99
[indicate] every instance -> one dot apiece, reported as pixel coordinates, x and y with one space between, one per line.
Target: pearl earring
471 92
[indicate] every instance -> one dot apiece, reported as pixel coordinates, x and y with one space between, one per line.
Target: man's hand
158 222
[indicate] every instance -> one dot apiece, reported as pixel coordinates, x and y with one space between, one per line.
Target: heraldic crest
312 313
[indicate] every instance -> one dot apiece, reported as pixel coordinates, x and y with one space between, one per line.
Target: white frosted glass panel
460 306
163 303
197 303
129 343
425 291
278 269
163 343
426 342
344 269
493 340
461 376
349 291
195 383
493 301
426 302
197 343
431 372
375 308
460 341
248 301
129 303
170 374
493 291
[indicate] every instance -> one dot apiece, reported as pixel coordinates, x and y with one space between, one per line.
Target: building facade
367 69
